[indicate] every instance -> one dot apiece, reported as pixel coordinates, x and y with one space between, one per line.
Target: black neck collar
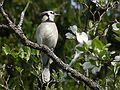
48 21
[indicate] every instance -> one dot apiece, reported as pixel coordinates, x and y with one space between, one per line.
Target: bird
47 34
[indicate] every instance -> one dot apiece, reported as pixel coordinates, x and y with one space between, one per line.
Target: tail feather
46 75
46 71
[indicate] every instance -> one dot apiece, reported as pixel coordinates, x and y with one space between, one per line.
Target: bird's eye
52 12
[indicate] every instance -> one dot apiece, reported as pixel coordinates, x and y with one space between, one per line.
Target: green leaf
118 25
96 43
114 26
91 24
95 70
28 54
116 32
73 28
19 69
87 65
69 36
83 48
107 45
117 37
86 47
79 48
21 53
6 49
116 69
14 54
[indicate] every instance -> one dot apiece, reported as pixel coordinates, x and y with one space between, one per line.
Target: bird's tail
46 70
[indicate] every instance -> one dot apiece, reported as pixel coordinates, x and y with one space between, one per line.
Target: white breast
47 34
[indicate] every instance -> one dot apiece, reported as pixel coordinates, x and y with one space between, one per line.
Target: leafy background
20 66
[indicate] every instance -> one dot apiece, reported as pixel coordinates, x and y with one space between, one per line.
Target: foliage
89 37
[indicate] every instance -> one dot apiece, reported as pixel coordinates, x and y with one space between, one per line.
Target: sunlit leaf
114 26
76 56
21 53
87 65
6 49
118 25
117 37
73 28
69 36
96 69
28 54
117 32
19 69
96 43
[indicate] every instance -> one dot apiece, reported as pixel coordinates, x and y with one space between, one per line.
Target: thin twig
6 82
1 3
4 26
4 14
3 86
22 15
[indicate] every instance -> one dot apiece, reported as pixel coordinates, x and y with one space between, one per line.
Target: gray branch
4 26
22 15
19 32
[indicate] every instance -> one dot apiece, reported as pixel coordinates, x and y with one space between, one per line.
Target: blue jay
47 34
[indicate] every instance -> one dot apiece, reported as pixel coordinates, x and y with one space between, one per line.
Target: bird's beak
57 14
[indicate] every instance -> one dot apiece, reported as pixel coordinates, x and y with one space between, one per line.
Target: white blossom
95 1
82 37
114 26
73 28
116 60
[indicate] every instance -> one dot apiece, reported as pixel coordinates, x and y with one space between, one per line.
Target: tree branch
22 15
19 32
4 14
4 26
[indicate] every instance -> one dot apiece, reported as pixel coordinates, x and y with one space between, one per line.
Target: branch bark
22 15
19 32
4 26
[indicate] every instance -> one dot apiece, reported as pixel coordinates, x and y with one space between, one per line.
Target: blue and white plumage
47 34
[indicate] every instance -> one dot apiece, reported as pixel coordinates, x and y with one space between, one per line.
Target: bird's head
48 16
